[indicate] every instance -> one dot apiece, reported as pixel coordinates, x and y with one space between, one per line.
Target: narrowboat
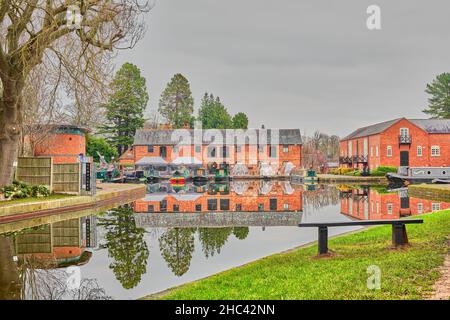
412 175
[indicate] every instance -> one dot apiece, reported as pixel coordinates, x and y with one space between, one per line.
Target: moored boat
413 175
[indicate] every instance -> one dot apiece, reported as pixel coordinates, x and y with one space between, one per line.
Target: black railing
360 159
404 139
345 160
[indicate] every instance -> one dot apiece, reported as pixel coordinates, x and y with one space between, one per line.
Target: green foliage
126 246
176 104
353 173
125 107
95 145
439 102
341 171
177 247
21 190
213 114
386 169
407 273
240 121
382 170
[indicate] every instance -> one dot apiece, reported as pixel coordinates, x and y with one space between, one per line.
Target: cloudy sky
304 64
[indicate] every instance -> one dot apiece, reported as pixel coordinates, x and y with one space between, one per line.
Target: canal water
179 233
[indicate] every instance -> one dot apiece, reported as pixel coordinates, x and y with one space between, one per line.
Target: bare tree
37 31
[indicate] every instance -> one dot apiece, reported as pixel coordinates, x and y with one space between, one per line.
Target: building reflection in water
35 261
237 196
376 203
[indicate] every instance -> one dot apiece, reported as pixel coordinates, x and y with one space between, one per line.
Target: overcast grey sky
308 64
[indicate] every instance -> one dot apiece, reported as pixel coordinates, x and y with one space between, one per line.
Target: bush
353 173
382 170
19 190
386 169
341 171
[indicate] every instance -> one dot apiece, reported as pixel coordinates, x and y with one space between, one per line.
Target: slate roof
429 125
164 137
433 125
370 130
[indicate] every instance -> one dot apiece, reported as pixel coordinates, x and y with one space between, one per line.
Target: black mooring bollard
323 240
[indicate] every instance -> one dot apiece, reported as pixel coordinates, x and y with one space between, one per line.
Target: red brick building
280 149
62 142
399 142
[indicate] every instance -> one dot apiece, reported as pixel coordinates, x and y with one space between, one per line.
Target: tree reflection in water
177 246
322 196
126 245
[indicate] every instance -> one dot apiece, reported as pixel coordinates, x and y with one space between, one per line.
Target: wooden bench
399 235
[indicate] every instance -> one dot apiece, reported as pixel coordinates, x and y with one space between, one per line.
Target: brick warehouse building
399 142
284 151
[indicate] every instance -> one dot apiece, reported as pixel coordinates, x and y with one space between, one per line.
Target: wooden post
323 240
399 235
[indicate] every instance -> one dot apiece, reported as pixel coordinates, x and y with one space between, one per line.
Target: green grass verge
299 274
26 200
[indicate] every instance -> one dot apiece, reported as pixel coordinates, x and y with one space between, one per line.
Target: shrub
353 173
341 171
386 169
19 190
382 170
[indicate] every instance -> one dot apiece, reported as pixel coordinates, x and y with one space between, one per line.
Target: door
163 152
404 158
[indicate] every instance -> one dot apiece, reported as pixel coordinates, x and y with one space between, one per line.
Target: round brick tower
64 143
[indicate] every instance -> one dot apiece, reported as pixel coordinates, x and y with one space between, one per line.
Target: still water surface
180 233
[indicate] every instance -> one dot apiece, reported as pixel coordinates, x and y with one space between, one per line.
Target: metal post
323 240
399 235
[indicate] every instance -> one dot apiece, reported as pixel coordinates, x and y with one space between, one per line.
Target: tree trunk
8 154
9 274
10 128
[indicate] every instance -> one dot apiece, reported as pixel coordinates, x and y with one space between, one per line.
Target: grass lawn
26 200
299 274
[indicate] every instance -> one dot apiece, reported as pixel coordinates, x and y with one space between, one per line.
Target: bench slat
360 223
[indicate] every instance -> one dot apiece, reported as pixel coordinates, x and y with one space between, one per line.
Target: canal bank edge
420 257
119 193
438 192
333 178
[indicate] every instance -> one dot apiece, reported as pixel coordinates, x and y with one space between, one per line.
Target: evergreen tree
96 145
176 104
213 114
125 107
439 102
240 121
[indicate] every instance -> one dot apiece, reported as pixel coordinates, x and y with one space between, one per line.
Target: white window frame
420 207
404 132
285 148
286 206
435 206
389 151
433 151
390 208
419 151
371 151
377 151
